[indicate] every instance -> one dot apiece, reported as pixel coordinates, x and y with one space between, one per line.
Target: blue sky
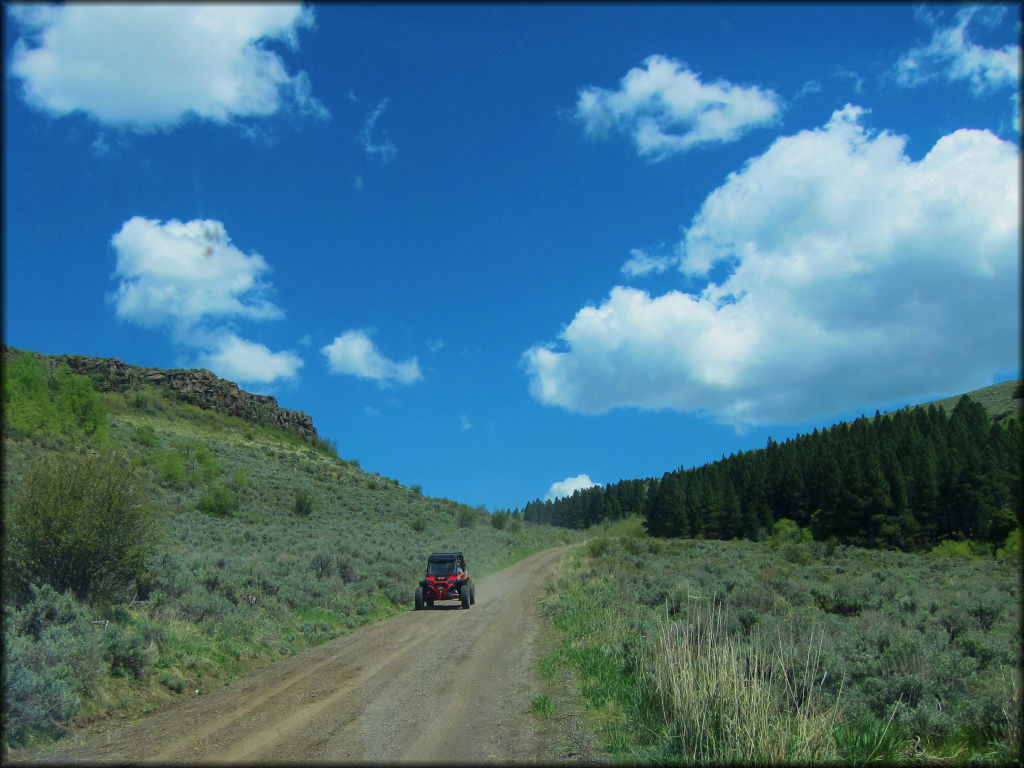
504 251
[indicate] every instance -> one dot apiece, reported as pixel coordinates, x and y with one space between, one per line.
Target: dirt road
437 685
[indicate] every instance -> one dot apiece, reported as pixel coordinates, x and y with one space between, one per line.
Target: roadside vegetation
787 650
154 550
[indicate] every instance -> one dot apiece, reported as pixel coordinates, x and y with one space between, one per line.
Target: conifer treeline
905 480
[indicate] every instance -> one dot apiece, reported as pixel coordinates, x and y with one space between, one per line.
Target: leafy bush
79 524
144 434
951 548
38 400
220 501
127 653
320 564
171 466
303 503
1011 549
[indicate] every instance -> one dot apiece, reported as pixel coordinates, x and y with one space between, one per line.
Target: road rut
442 685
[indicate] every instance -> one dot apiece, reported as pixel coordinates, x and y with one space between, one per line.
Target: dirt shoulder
442 685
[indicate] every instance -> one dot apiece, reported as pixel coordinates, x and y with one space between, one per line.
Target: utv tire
419 598
472 596
464 595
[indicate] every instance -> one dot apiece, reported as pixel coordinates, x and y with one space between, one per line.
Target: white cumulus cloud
184 273
189 278
666 109
354 353
568 486
855 276
236 359
149 66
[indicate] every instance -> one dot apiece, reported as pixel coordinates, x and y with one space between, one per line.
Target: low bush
304 503
219 501
53 659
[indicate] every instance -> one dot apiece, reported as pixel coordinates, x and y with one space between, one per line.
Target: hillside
267 542
998 399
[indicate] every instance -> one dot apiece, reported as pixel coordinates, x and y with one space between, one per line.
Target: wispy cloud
953 56
148 66
384 148
666 109
642 263
844 258
354 354
189 278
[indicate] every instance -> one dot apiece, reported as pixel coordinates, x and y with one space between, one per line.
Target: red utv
447 579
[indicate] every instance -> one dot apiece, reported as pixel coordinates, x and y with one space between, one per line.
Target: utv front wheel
419 598
472 596
465 598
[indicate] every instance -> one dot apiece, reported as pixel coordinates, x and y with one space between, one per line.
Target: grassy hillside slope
268 544
998 399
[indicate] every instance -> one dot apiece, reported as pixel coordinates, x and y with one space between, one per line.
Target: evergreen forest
905 480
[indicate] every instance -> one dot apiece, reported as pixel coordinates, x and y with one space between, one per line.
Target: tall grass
726 701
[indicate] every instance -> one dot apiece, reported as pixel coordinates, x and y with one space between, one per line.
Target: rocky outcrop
196 386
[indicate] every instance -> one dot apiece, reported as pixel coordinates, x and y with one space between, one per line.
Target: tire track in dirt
441 685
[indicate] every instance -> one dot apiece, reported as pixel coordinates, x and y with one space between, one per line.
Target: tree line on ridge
905 480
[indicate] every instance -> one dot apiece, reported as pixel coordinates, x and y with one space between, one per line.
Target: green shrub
498 520
951 548
40 401
171 466
321 564
467 517
172 681
36 702
127 653
78 404
79 523
347 570
219 501
304 504
52 659
598 546
144 434
1011 549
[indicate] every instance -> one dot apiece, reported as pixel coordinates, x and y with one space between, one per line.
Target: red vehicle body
447 578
